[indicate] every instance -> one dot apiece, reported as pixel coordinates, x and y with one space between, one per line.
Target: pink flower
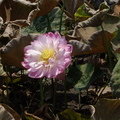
47 56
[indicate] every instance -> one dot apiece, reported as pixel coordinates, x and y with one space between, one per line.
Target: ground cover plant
58 58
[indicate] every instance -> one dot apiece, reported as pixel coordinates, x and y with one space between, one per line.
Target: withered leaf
116 8
11 31
20 10
95 20
95 44
30 116
7 113
71 6
98 42
107 109
43 112
79 47
13 52
111 20
46 6
85 32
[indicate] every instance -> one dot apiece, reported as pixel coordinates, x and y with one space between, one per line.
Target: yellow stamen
46 54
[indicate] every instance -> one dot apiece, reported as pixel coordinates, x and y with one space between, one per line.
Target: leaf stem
49 28
60 27
65 95
108 49
79 98
41 93
54 93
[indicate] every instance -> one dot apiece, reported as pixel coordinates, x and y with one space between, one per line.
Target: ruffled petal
55 64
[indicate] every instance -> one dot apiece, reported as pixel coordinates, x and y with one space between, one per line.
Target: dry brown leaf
31 116
107 109
46 6
116 9
2 72
17 9
95 44
11 31
71 6
98 43
13 52
43 112
15 14
111 23
40 114
13 10
1 23
22 23
95 20
86 32
7 113
79 48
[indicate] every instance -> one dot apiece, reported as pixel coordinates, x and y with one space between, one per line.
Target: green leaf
82 13
117 56
104 6
15 80
89 74
70 114
115 80
116 42
81 76
29 118
74 74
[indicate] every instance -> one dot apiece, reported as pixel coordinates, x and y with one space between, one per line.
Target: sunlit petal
47 56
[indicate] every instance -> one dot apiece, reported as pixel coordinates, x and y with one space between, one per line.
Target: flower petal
55 65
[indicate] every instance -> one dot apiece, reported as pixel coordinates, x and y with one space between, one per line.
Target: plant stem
79 98
49 24
103 88
60 27
65 95
54 93
41 93
7 90
108 49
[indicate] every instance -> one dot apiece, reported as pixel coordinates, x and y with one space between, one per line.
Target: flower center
46 54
